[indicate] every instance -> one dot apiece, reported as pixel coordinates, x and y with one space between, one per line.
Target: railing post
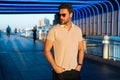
40 35
105 46
26 33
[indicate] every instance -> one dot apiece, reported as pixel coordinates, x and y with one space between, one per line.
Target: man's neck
68 25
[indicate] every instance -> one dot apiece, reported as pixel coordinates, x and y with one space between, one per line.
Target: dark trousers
67 75
34 38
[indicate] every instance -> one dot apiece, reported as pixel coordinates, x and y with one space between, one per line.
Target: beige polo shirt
65 45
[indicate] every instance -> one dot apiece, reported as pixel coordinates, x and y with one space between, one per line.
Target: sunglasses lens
63 15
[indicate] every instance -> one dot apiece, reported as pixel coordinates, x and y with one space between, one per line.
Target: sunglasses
63 15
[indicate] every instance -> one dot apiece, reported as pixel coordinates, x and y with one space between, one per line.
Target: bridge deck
20 59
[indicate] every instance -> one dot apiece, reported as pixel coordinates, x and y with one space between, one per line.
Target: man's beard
64 22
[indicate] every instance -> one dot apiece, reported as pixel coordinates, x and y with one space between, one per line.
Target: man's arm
48 54
80 55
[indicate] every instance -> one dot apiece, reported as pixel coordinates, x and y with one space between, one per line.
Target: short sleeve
50 35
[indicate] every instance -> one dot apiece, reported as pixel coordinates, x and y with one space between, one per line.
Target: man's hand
59 69
78 68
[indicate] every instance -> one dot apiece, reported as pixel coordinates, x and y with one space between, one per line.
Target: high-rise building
44 22
41 22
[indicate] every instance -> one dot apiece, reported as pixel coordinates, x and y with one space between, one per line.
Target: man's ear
71 14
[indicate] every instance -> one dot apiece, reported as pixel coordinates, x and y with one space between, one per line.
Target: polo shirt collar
63 25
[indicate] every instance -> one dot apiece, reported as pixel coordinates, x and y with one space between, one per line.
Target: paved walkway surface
20 59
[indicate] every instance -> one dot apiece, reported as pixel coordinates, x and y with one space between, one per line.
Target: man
15 31
8 30
0 33
34 34
66 40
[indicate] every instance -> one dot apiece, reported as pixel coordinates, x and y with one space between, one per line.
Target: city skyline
23 20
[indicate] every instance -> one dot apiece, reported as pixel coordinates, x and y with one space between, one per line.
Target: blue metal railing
95 46
114 48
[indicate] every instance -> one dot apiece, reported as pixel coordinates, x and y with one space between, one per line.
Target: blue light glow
79 17
106 19
89 20
112 18
63 1
102 22
85 19
97 18
82 19
93 19
118 18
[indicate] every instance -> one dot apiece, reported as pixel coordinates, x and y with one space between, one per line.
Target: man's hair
66 6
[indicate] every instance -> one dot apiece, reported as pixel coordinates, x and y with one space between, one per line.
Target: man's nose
61 17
